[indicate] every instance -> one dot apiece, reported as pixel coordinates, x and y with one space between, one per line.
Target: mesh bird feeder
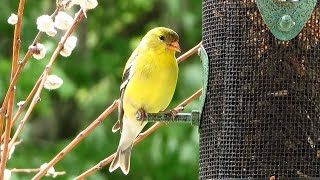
261 116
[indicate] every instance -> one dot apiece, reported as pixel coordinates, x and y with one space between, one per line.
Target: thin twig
97 167
9 110
25 170
54 174
18 142
79 137
108 160
28 99
91 127
23 106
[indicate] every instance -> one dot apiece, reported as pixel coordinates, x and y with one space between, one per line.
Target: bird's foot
140 115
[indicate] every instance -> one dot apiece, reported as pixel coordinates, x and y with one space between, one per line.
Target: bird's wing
127 74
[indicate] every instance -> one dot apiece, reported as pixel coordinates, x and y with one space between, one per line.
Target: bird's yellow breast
153 83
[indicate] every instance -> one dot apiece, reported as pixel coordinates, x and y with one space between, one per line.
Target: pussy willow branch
13 81
95 124
8 103
20 67
44 75
9 110
145 134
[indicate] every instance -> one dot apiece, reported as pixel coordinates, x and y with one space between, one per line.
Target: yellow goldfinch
148 84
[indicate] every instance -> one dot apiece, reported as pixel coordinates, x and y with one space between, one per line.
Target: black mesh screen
262 112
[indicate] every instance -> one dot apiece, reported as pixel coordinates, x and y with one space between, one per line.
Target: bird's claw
140 115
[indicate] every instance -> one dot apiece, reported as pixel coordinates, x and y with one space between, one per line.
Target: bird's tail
122 160
130 130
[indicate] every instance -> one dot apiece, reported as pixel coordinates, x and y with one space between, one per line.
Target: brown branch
15 57
79 137
145 134
93 125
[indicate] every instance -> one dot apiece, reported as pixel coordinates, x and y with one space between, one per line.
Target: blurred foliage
92 76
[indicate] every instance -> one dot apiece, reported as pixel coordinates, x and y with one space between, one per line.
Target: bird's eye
161 37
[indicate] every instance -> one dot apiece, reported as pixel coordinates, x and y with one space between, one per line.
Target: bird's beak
174 46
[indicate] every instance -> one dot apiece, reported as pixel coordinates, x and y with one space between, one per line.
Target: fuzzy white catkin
42 51
51 32
77 2
89 4
63 21
13 19
53 82
44 23
65 52
68 46
51 170
86 4
71 42
21 103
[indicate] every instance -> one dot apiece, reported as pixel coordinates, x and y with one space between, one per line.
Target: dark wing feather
127 74
125 80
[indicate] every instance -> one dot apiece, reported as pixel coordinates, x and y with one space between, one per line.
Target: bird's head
163 39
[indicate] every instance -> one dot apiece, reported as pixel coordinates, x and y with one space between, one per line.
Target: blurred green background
92 76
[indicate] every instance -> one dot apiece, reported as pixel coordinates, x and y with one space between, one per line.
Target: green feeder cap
285 18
